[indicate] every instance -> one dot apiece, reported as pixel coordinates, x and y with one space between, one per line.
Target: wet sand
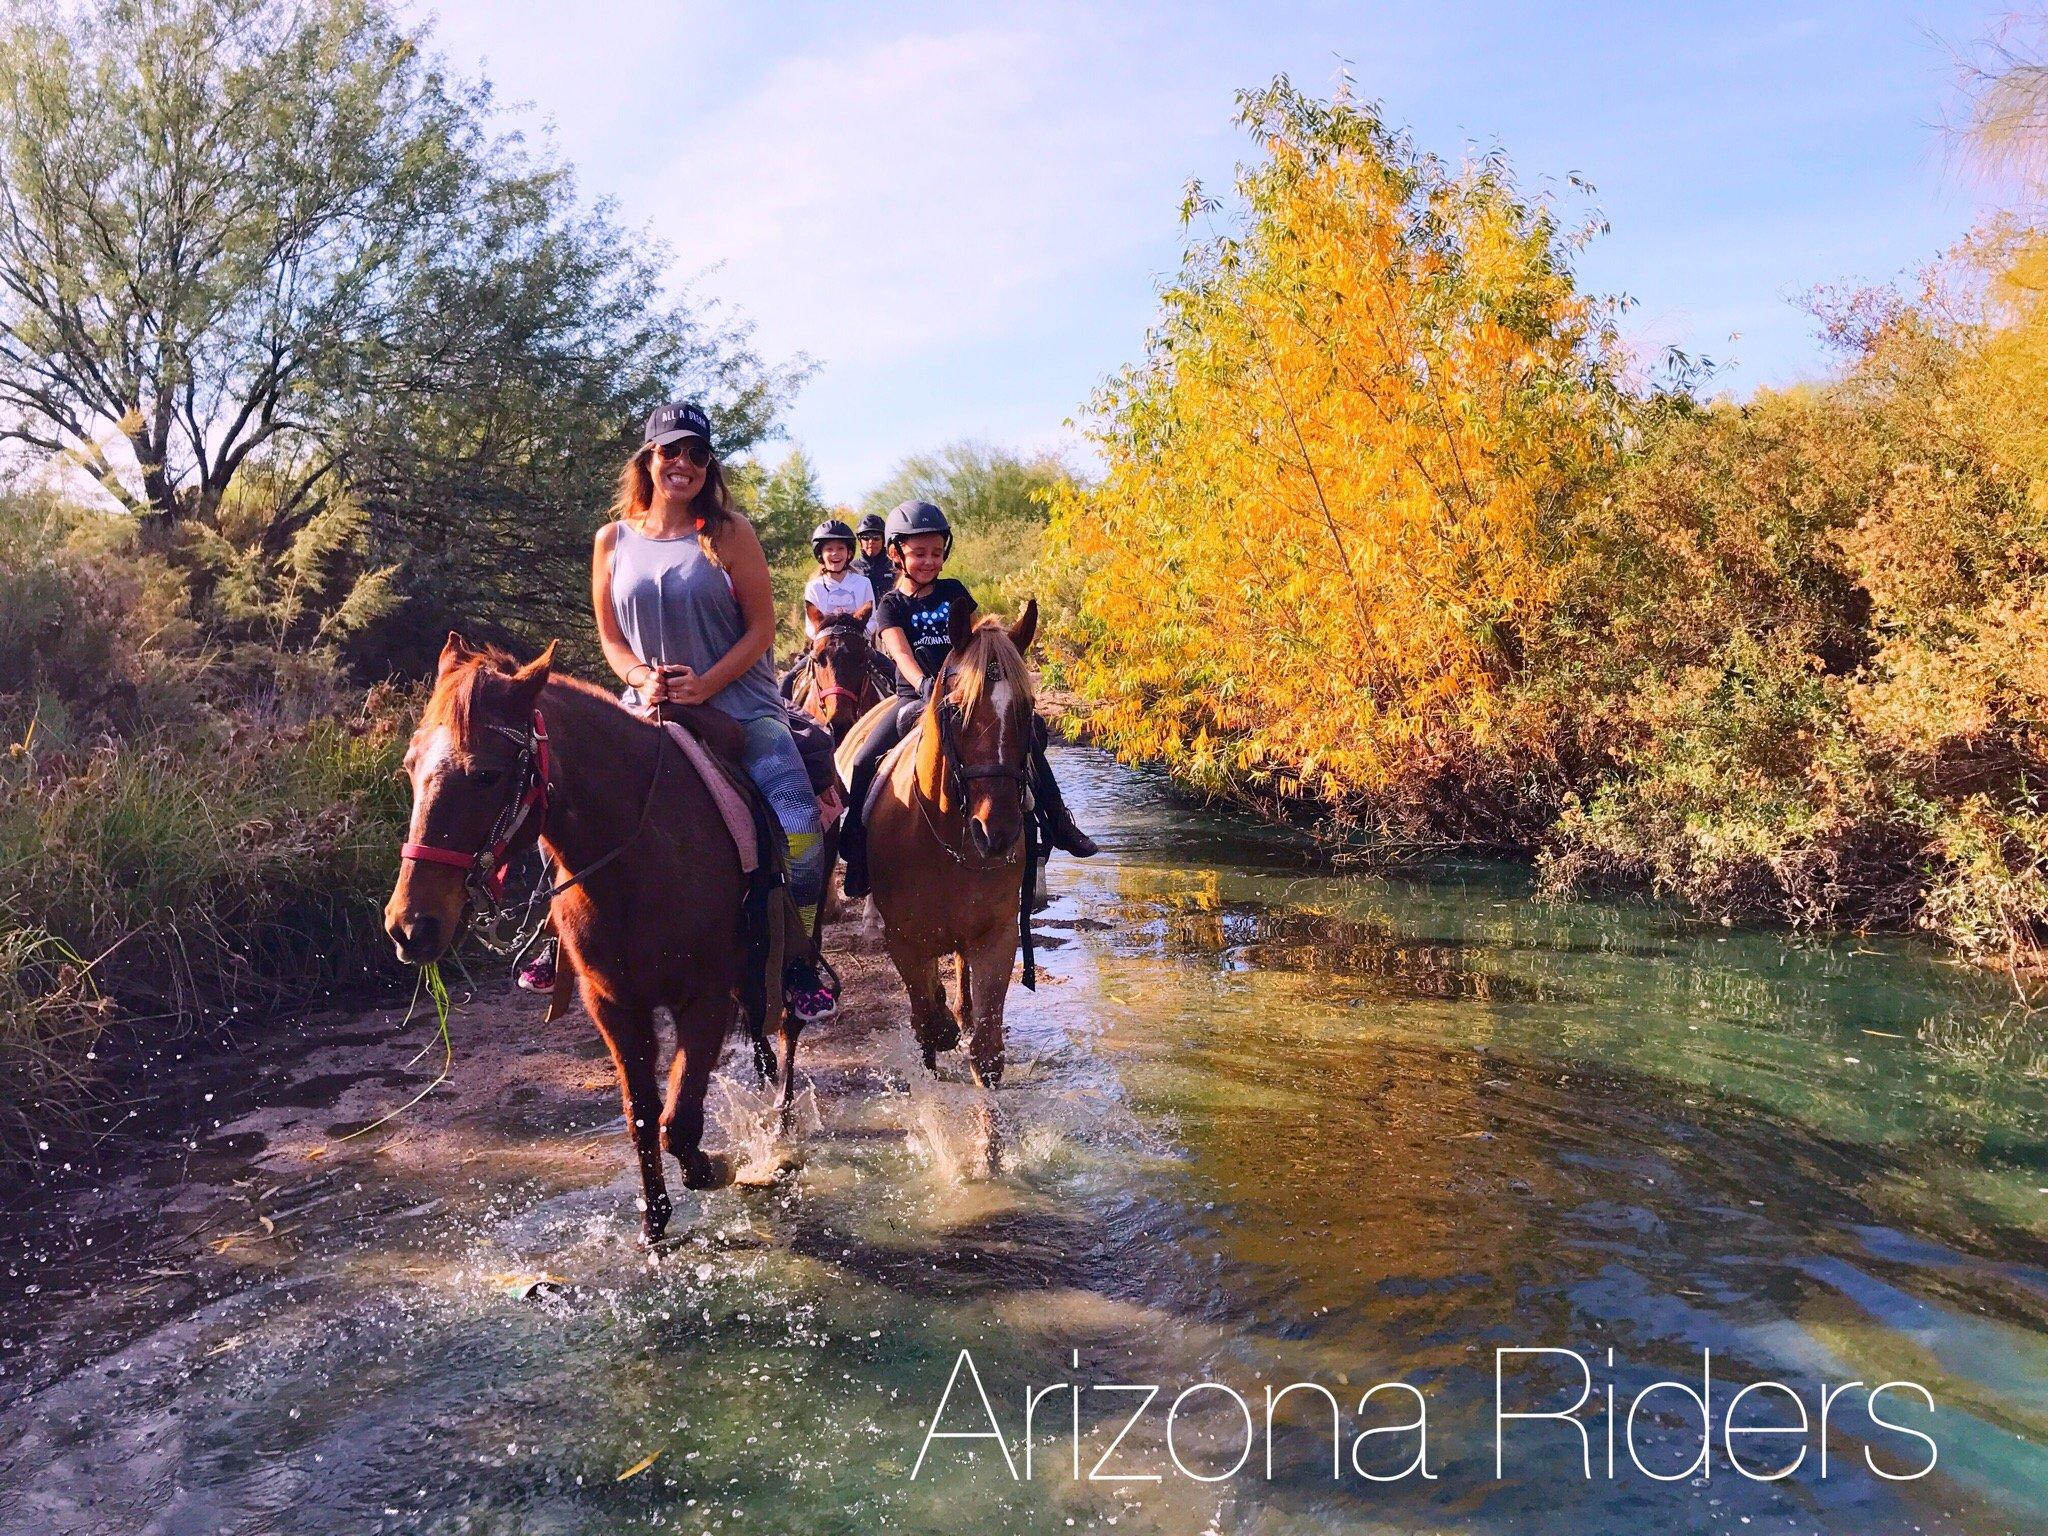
256 1148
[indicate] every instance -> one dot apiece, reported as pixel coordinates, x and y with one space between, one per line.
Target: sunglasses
697 450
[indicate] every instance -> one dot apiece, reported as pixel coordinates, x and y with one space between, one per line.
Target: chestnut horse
840 683
650 916
946 838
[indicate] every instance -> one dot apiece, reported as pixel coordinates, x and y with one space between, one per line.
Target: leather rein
958 773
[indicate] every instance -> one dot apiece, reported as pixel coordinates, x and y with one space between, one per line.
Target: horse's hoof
943 1034
706 1170
931 1061
653 1224
989 1074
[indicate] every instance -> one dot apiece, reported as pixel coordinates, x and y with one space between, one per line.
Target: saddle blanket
730 799
886 768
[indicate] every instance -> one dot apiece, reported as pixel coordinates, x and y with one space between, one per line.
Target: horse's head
476 786
841 666
985 716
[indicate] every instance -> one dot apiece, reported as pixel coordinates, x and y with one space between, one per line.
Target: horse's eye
490 777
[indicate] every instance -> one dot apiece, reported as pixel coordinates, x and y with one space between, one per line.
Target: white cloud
911 194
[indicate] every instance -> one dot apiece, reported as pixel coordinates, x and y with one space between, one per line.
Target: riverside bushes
1386 524
186 826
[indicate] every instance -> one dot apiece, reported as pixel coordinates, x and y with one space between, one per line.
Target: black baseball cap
676 420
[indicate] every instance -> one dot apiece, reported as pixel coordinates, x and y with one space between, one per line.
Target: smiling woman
685 613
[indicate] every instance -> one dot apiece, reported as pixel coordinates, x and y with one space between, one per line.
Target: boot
1060 831
853 853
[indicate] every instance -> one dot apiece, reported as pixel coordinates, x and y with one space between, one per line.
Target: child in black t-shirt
914 621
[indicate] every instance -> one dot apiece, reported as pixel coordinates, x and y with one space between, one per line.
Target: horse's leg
629 1033
700 1038
984 986
930 1020
964 992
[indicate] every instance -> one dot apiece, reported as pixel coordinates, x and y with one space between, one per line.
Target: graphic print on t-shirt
931 626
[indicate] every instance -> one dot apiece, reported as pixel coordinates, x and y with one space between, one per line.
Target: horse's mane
457 697
988 654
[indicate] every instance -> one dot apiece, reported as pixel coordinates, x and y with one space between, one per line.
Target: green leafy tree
788 507
278 233
978 485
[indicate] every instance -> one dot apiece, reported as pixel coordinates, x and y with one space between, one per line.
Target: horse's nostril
977 831
417 936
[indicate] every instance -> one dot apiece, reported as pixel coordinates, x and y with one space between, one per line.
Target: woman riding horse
915 622
686 615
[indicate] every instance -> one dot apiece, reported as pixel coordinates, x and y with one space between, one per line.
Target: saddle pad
727 796
886 768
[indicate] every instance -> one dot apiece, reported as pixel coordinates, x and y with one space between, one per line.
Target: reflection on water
1269 1125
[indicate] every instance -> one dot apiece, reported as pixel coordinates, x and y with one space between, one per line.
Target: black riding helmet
872 523
915 517
825 532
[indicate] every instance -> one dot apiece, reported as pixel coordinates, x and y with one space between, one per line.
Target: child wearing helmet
836 588
914 628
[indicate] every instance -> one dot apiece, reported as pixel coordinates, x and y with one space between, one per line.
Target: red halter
488 867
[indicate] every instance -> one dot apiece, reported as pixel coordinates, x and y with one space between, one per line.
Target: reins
960 772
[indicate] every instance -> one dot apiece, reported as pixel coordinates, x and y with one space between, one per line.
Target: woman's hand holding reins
682 686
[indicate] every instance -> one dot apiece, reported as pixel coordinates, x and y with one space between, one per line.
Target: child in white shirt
837 588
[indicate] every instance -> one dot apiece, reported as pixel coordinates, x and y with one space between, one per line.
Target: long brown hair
711 506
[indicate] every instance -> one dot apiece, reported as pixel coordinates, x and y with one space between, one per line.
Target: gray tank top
676 606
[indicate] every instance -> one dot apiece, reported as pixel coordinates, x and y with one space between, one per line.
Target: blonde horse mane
989 653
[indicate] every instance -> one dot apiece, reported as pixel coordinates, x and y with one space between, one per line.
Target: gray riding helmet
872 523
914 517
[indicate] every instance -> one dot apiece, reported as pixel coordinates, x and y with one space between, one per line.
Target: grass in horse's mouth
436 989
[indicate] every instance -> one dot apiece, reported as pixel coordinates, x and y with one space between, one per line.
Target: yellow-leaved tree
1336 489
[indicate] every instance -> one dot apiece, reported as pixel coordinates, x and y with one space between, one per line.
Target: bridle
960 772
486 870
836 691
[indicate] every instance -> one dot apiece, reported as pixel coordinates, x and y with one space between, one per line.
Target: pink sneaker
805 994
538 974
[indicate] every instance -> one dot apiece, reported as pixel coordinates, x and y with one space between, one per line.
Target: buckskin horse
648 914
840 684
946 838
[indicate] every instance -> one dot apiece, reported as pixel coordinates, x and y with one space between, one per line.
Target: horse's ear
959 625
528 681
1025 630
454 652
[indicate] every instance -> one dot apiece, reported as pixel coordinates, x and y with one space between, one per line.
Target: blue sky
962 213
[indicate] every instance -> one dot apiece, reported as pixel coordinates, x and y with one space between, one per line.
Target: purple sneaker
805 994
538 974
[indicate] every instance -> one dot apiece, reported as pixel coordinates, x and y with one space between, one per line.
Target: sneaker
805 993
538 974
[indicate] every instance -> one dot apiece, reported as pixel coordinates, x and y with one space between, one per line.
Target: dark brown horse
506 753
840 683
946 839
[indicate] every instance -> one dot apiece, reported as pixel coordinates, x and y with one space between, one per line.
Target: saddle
771 929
